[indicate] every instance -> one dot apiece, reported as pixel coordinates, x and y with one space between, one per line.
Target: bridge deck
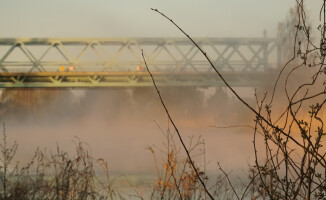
130 79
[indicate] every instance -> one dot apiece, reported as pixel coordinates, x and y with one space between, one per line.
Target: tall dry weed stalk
175 177
54 175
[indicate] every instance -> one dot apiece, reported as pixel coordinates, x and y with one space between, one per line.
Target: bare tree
293 165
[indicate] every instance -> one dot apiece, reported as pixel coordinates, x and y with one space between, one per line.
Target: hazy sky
133 18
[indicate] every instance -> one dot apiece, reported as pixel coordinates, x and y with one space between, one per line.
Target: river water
122 138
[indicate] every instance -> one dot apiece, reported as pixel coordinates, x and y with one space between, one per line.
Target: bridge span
117 62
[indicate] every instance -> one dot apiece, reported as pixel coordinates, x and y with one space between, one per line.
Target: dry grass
54 175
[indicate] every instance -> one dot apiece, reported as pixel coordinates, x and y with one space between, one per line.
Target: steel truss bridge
111 62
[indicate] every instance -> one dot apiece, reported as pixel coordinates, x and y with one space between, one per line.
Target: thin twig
227 177
176 129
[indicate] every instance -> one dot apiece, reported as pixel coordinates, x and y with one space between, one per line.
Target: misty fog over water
120 124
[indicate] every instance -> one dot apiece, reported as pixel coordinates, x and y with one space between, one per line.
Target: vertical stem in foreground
176 129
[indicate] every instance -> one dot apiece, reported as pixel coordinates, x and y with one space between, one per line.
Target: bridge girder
129 79
112 62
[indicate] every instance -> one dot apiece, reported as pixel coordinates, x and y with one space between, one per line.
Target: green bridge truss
117 62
